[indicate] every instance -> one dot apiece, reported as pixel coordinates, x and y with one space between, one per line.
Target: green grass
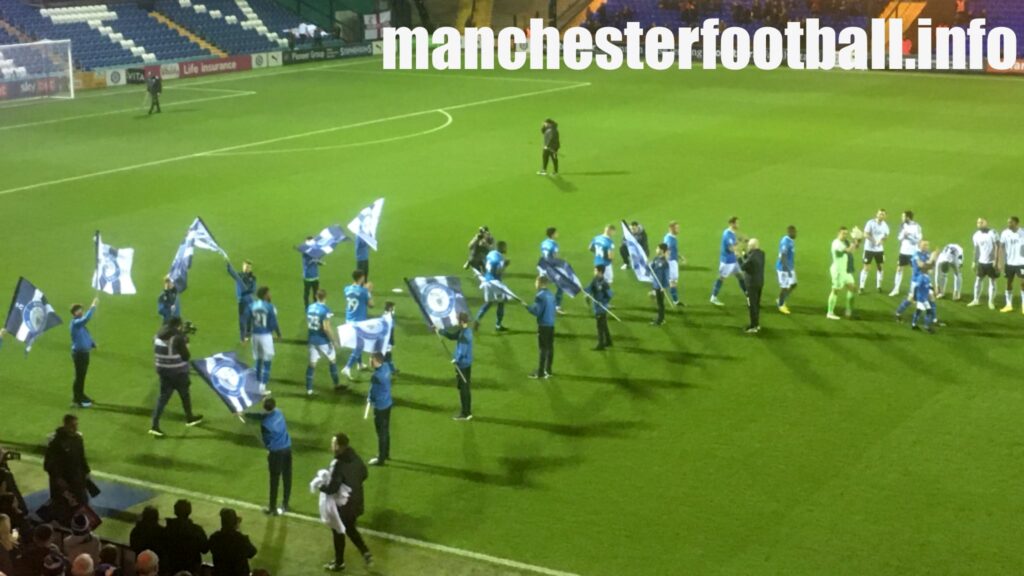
816 448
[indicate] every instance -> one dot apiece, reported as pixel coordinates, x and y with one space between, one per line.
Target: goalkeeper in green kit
842 269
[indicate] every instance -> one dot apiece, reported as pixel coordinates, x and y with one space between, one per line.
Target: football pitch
842 448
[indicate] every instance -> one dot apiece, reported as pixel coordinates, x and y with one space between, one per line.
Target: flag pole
660 286
448 352
603 307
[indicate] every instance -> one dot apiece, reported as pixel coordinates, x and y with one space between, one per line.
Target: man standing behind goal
551 146
155 86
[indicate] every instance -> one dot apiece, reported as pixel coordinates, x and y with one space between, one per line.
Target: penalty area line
214 152
468 554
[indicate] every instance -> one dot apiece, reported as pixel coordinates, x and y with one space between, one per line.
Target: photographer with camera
479 246
170 348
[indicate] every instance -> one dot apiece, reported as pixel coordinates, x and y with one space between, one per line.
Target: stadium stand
230 25
276 17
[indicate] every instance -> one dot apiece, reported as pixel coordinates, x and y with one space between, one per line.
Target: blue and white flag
323 243
495 285
440 299
365 225
233 382
30 314
370 335
561 273
637 257
198 236
113 273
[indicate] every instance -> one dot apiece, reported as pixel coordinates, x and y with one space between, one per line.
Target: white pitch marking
233 94
279 139
448 122
316 520
399 73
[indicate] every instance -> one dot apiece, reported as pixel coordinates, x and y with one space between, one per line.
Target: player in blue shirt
671 240
168 304
363 256
921 265
548 250
357 301
604 251
262 316
321 339
245 291
784 267
543 308
925 302
728 265
494 268
310 274
82 345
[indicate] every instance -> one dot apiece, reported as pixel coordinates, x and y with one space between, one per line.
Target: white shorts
673 271
787 279
263 347
726 270
494 294
609 273
318 351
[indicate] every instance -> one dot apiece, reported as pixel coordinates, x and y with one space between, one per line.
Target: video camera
188 328
8 455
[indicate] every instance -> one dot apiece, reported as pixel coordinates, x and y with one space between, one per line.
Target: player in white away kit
1011 244
910 236
986 247
951 259
876 231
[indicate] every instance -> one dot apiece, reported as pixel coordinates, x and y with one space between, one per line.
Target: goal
36 70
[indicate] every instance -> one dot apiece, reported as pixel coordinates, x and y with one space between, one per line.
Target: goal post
43 69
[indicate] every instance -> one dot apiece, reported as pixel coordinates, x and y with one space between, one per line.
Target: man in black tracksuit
348 469
551 146
68 469
752 265
170 347
155 86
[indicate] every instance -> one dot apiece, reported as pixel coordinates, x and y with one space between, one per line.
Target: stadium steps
14 32
188 35
254 22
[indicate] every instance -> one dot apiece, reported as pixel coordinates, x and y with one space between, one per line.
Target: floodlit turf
852 447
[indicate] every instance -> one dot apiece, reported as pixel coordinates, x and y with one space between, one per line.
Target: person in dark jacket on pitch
231 549
348 469
659 269
601 295
148 534
68 469
155 87
380 398
543 308
167 304
551 145
186 541
752 265
462 358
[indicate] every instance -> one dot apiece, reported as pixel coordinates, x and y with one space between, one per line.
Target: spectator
230 548
147 563
68 469
186 541
8 545
81 541
83 566
11 502
108 561
54 564
34 557
148 534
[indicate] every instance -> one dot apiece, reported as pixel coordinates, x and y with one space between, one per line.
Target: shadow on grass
517 472
608 429
562 184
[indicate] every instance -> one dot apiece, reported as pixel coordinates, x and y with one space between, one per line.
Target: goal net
36 70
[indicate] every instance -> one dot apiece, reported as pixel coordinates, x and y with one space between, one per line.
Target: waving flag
113 273
637 257
494 285
367 335
30 314
233 382
323 243
440 299
198 236
561 273
365 225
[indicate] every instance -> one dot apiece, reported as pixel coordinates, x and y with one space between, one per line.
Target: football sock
309 376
